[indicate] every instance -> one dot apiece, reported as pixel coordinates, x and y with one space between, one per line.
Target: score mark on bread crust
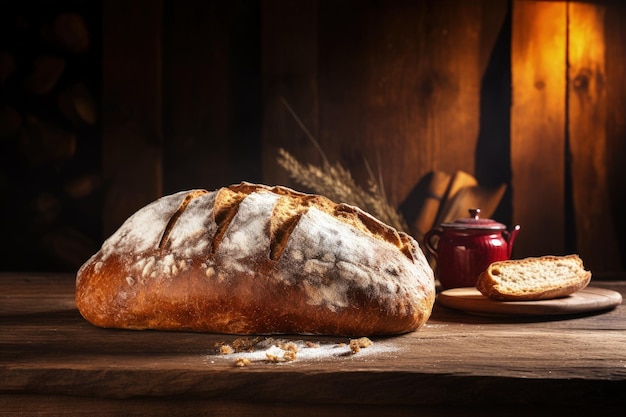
211 261
170 224
285 216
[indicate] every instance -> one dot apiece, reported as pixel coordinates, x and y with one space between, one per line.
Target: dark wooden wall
50 133
526 93
567 190
521 92
397 83
181 99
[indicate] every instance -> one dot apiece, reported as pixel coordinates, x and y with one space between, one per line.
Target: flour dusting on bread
141 232
256 259
248 229
330 259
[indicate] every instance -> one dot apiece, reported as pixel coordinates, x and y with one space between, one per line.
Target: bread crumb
288 347
357 344
226 350
289 352
270 351
245 344
237 346
365 342
240 362
289 356
271 357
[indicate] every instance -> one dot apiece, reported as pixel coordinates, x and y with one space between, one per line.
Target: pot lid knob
474 222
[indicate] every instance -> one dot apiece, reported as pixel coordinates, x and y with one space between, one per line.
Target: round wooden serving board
586 300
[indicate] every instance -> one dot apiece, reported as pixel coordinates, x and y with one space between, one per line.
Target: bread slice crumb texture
534 278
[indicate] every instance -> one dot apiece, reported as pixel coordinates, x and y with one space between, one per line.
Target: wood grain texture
588 300
615 50
289 78
393 93
456 362
537 126
131 102
392 85
211 94
596 239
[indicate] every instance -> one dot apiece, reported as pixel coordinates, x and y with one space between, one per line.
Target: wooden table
52 361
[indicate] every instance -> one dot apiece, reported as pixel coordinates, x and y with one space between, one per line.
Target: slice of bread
538 278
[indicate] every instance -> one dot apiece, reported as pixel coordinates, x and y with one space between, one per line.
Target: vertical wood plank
538 125
397 84
211 87
289 48
195 91
131 99
587 111
616 122
399 87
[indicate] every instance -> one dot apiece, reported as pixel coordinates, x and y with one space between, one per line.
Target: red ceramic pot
466 247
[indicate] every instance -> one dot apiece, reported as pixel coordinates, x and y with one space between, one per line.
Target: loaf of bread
539 278
254 259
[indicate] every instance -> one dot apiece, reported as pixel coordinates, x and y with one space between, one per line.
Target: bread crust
253 259
527 288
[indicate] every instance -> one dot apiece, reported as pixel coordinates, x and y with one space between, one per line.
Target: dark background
107 105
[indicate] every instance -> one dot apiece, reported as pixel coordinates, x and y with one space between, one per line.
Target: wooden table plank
48 349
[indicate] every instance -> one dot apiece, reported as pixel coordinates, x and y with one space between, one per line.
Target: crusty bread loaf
256 259
539 278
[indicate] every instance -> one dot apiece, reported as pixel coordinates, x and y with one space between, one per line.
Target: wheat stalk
336 183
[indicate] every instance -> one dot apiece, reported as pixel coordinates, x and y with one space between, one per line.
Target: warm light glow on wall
587 132
586 33
559 127
538 117
586 76
538 65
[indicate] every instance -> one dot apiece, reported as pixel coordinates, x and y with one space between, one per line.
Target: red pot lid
474 222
